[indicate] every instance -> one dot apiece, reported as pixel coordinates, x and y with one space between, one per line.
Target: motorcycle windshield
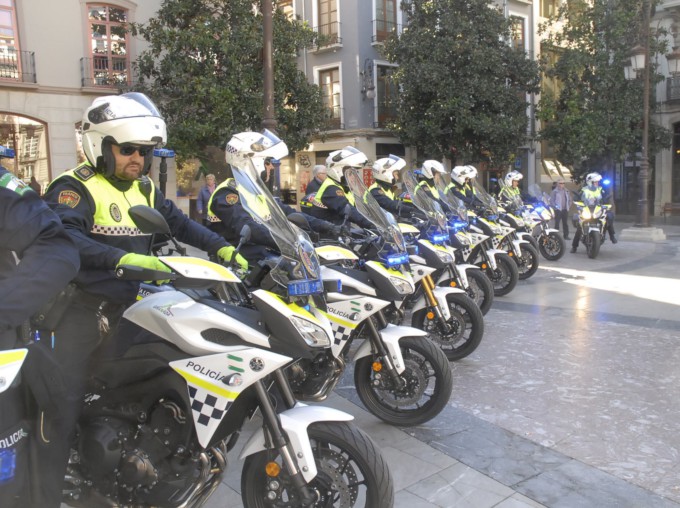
443 185
537 193
299 263
423 200
367 206
487 199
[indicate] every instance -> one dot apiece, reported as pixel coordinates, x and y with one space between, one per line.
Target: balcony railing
105 72
382 29
329 34
673 89
17 66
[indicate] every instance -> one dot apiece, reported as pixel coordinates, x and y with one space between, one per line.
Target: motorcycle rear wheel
593 244
427 390
351 472
504 278
528 264
551 246
467 327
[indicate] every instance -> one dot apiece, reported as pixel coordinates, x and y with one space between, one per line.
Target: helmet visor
129 105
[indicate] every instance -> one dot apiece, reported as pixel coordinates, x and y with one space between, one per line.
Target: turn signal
483 266
510 254
453 284
272 469
377 366
430 315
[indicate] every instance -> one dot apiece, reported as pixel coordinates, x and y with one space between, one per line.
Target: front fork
379 347
428 285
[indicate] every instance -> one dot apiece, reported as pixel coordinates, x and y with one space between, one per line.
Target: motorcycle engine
314 380
145 458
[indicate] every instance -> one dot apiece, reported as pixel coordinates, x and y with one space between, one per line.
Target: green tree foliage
591 115
204 69
462 86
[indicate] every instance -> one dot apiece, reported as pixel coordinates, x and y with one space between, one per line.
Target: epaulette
84 172
231 183
11 182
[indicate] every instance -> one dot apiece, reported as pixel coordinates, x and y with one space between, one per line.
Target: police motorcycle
159 421
591 221
459 334
537 217
399 374
474 246
503 235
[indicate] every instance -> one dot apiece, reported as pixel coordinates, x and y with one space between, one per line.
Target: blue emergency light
163 152
6 152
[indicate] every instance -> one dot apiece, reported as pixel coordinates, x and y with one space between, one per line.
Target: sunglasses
127 150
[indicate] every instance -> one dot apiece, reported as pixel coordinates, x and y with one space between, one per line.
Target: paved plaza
570 401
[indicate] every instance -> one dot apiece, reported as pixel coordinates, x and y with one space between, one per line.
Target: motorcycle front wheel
528 263
593 244
480 289
504 278
551 246
427 384
466 327
351 472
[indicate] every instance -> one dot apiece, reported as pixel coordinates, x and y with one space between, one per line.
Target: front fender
440 294
295 422
491 256
10 365
390 335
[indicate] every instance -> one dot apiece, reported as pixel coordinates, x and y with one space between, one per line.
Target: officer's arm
226 205
49 258
334 199
187 230
76 209
385 202
316 224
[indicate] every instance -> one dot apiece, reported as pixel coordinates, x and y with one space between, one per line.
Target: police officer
461 184
48 261
119 135
382 189
333 196
226 213
591 191
511 190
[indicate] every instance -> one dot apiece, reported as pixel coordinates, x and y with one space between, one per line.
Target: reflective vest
435 192
257 203
229 182
389 193
111 216
327 183
588 193
509 192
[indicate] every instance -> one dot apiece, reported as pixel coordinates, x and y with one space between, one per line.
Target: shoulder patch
232 198
11 182
69 198
339 192
84 172
380 191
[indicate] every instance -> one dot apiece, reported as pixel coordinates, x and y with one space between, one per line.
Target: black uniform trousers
563 217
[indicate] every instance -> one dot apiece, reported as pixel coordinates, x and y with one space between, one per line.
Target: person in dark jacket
47 261
319 175
93 202
203 198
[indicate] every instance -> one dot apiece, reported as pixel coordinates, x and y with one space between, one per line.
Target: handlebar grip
137 273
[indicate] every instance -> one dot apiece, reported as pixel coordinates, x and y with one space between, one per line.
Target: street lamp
639 60
269 116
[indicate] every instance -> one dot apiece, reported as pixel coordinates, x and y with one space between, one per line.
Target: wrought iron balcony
329 35
105 72
673 89
382 29
17 65
334 118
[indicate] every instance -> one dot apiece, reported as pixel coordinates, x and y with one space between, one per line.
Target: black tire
428 384
467 327
593 244
531 239
504 278
528 263
480 289
345 458
552 246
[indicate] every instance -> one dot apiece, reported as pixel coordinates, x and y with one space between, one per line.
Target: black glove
335 230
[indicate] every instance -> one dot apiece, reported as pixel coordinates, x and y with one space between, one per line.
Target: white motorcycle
158 422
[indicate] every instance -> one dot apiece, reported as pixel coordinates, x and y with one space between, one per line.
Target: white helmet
254 147
512 177
430 167
591 178
341 159
462 173
117 119
383 169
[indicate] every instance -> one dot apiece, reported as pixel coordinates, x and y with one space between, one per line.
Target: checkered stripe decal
116 230
206 407
340 333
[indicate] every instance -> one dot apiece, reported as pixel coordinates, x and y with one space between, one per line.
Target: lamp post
269 117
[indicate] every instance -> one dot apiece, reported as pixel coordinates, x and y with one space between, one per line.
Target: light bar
305 287
7 152
397 259
439 238
163 152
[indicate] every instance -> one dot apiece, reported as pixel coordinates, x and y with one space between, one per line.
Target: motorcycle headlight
597 213
463 239
403 286
444 257
314 335
586 214
545 214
